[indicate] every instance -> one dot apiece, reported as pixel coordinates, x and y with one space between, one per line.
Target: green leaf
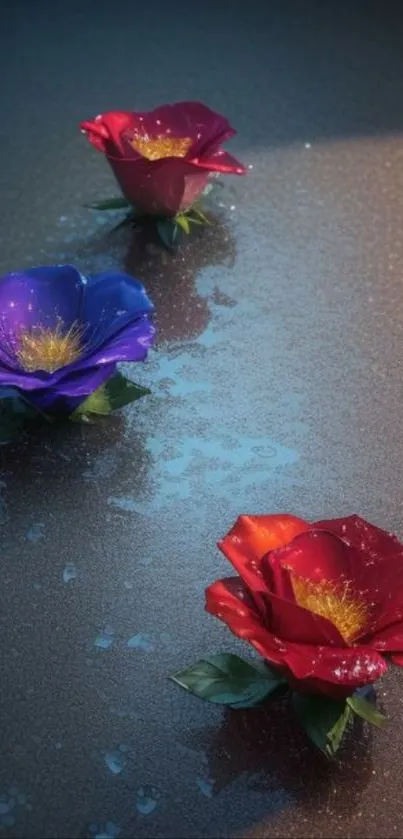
183 222
168 231
226 679
114 394
121 391
118 203
323 719
367 711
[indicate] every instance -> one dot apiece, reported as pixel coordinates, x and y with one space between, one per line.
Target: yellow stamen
47 349
163 145
334 601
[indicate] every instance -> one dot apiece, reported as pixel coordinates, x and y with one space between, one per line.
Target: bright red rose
322 602
163 159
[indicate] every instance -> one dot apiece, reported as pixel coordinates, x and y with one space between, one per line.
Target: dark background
277 385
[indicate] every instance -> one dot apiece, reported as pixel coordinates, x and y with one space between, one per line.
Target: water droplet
104 640
205 786
69 574
115 762
140 642
147 799
35 532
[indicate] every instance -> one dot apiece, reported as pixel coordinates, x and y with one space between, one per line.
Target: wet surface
277 385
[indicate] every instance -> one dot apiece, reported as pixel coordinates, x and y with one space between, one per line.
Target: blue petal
40 296
111 301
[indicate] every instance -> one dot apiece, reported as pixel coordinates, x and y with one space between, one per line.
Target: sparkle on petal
335 601
160 146
41 348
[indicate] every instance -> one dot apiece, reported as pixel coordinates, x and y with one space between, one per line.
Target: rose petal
297 625
348 668
229 600
105 131
249 539
220 161
389 639
316 555
154 188
397 659
204 127
256 535
362 535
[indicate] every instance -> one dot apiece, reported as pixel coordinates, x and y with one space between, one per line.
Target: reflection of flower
322 602
162 159
62 335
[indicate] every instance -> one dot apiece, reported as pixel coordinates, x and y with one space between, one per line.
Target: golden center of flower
47 349
334 601
163 145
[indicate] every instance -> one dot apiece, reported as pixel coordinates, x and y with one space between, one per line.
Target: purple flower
62 335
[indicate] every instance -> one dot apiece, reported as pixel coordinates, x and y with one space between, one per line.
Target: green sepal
201 217
118 203
183 222
226 679
366 710
323 719
169 232
114 394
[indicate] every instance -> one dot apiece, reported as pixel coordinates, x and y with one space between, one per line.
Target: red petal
95 133
363 535
204 127
316 555
229 601
349 668
155 187
250 538
389 639
296 625
109 128
397 659
256 535
220 161
377 566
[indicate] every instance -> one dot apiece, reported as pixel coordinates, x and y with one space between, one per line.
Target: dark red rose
163 159
323 602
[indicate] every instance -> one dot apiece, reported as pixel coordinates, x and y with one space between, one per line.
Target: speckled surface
277 385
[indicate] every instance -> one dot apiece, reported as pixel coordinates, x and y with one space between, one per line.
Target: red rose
322 602
163 159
